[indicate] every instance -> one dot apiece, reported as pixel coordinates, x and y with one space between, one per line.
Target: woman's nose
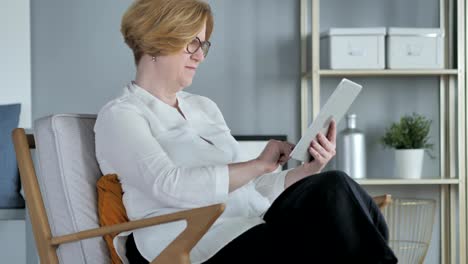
198 55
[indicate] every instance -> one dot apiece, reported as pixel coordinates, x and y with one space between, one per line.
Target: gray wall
252 72
15 73
13 241
79 60
380 13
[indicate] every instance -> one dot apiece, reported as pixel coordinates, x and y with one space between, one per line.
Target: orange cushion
110 209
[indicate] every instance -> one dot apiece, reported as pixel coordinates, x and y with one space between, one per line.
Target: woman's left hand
322 149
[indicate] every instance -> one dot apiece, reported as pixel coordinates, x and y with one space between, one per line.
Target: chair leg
383 200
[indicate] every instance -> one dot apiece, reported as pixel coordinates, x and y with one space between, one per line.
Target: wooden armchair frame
199 220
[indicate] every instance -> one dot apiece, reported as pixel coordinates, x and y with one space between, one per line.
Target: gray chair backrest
67 172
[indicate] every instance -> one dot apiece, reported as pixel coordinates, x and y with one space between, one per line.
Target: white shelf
12 214
408 181
422 72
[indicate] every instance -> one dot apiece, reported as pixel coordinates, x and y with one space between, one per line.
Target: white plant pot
409 163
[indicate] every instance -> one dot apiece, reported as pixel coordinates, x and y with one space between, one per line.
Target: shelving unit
12 214
408 181
452 113
344 73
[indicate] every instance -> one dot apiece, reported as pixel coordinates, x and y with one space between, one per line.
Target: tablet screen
334 109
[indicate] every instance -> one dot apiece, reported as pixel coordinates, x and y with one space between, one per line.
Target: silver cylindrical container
351 149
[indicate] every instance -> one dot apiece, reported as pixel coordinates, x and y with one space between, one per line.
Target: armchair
62 198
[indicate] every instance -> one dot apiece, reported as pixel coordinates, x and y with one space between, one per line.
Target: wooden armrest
383 200
199 220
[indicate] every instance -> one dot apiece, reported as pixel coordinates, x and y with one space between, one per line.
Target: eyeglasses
196 44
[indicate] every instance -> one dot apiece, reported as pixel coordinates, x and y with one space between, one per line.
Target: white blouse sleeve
125 143
271 185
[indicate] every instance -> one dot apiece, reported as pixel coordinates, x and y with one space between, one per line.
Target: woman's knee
332 178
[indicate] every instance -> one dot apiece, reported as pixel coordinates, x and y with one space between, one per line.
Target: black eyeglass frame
204 45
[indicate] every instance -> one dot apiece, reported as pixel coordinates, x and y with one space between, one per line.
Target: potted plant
410 139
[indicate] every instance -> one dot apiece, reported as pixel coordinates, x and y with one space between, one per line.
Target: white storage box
353 48
415 48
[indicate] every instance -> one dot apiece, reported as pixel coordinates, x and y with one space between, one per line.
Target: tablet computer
334 109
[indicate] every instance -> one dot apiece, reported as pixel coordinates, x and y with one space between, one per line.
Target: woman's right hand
274 154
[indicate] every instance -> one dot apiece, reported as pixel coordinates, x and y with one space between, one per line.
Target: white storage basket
353 48
415 48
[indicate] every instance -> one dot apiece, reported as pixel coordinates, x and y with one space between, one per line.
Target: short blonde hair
164 27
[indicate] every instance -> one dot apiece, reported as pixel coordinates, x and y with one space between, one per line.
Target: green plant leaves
412 132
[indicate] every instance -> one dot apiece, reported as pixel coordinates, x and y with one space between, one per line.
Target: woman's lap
325 217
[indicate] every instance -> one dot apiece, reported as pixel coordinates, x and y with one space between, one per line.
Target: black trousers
324 218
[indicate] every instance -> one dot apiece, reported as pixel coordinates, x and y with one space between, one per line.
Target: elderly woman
172 150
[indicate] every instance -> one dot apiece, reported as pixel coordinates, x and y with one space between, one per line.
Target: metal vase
351 149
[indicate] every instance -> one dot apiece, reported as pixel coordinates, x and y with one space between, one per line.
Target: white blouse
167 164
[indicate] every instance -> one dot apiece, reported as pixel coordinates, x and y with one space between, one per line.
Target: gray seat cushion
9 177
67 174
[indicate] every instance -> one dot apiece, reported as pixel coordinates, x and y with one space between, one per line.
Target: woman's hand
322 149
274 154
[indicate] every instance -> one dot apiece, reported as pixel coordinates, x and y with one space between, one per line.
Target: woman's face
181 67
